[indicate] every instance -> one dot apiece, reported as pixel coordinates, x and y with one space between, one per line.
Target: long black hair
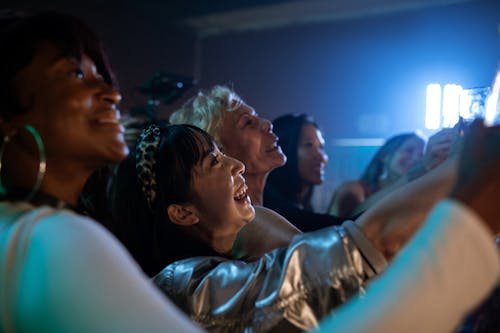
286 180
145 229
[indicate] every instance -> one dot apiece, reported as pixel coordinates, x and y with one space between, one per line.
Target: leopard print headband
145 162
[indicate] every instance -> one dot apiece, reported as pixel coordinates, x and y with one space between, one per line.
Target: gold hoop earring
42 165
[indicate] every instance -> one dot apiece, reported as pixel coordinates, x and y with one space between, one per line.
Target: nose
110 95
321 155
237 167
266 125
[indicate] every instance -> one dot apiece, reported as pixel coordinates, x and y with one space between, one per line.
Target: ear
182 215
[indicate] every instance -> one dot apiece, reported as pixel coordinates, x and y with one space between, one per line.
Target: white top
75 277
446 269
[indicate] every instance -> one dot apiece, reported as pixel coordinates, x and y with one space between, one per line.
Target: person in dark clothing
289 188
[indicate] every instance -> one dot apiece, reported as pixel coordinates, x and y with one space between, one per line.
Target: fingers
440 146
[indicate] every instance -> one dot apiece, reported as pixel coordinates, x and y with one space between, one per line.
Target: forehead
309 131
241 109
412 142
48 55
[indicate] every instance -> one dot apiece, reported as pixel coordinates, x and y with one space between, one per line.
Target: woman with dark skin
61 271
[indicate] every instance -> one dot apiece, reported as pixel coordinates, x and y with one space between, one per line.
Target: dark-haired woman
289 188
60 271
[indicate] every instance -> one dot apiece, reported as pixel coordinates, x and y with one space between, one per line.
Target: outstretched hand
478 181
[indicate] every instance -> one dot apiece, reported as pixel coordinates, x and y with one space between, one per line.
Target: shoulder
61 228
278 230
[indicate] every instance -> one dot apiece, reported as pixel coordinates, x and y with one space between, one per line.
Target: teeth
273 146
241 193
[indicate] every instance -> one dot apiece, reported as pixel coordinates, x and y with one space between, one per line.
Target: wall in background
359 78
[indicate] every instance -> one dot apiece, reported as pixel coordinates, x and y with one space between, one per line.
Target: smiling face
311 155
219 196
406 156
250 139
72 108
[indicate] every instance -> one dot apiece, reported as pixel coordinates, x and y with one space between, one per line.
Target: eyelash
215 160
78 73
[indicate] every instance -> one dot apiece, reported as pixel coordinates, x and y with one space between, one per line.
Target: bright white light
465 102
433 106
451 99
492 106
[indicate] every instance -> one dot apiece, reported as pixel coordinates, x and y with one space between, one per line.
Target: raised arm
395 218
427 287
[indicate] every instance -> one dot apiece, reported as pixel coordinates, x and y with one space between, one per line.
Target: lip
319 168
240 188
109 118
273 147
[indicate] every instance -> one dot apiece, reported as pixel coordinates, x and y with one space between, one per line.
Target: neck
223 245
62 180
256 183
220 243
304 194
64 187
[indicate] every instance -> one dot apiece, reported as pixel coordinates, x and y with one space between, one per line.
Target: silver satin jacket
287 290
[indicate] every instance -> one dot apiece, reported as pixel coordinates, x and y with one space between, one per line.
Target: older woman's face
71 106
250 139
311 155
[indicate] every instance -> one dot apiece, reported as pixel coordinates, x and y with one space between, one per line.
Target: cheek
80 103
303 167
76 100
400 163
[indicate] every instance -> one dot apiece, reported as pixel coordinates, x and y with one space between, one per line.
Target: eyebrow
62 60
206 153
248 113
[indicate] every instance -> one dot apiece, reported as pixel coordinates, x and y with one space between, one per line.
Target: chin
117 154
251 214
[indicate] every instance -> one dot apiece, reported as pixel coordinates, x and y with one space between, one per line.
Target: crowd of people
206 223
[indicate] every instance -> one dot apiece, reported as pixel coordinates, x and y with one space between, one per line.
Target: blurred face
220 197
311 155
406 156
73 109
250 139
